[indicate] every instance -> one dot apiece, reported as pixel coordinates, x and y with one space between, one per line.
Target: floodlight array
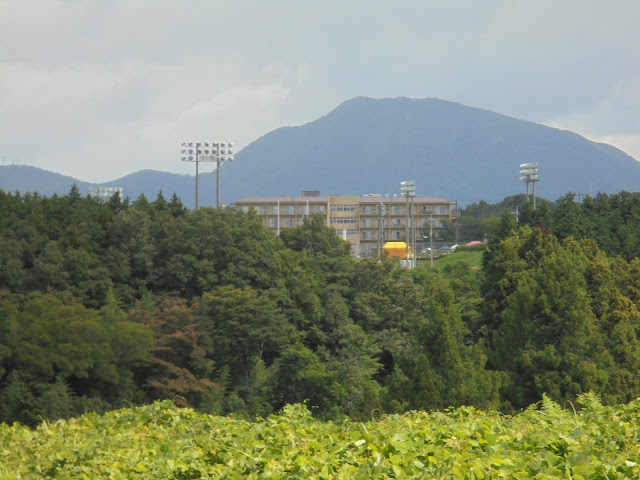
409 187
197 152
206 151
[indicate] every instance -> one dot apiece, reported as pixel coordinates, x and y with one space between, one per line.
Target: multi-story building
104 193
366 222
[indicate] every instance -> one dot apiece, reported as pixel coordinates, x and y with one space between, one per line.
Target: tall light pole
193 152
223 153
206 152
409 187
529 174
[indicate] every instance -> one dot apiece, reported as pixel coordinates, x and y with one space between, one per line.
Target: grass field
472 258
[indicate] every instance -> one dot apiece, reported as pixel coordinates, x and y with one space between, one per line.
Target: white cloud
618 111
630 144
613 119
222 116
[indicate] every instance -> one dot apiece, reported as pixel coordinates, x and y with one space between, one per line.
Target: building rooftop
401 199
297 198
324 199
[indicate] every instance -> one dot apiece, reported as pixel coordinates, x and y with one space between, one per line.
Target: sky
98 89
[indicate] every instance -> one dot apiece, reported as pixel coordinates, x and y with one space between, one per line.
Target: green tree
566 217
130 236
59 351
321 243
302 377
176 208
246 330
545 333
160 204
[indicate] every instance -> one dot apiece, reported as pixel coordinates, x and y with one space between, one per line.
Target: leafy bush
161 441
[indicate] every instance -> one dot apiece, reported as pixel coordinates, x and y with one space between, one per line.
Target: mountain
370 145
23 178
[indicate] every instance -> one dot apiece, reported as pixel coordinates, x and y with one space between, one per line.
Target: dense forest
126 302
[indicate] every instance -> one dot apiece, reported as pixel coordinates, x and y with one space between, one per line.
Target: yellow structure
396 249
367 222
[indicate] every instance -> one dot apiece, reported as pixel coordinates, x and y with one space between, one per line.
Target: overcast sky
98 89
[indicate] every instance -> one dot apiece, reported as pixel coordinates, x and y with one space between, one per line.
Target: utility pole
457 219
381 212
431 238
409 187
406 234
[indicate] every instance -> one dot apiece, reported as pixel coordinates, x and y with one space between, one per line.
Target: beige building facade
366 222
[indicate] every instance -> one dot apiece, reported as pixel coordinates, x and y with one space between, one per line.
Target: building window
395 235
366 222
395 222
245 208
318 209
273 222
344 208
288 210
395 210
273 209
344 220
366 210
289 222
353 231
442 210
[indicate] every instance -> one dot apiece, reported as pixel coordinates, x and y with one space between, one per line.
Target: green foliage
245 331
321 243
557 320
161 441
55 349
104 304
470 258
481 220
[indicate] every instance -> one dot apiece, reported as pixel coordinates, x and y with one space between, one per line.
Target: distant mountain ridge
23 178
450 150
370 145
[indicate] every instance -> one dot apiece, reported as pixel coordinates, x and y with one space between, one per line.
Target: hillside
24 178
370 145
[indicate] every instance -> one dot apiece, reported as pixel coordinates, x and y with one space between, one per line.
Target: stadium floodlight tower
409 188
195 152
206 152
529 174
222 153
